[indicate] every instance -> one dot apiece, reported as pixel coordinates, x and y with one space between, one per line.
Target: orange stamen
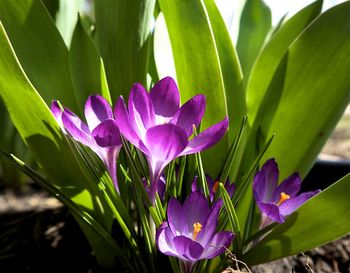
197 227
216 185
283 198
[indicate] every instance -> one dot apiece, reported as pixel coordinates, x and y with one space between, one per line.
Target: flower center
215 187
197 227
283 198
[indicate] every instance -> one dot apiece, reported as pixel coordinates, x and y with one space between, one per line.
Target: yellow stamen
283 198
197 227
216 185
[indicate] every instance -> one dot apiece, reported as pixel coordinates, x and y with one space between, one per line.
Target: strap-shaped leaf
197 66
123 28
270 57
86 66
233 80
40 132
322 219
311 92
254 26
39 48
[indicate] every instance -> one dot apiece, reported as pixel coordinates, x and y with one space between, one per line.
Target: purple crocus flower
277 201
189 234
213 187
101 132
156 124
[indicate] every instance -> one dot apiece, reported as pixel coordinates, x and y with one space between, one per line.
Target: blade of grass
233 150
233 219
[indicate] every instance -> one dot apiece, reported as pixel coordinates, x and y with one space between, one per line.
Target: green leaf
270 57
232 217
123 31
40 132
86 66
67 16
323 218
254 26
39 48
233 80
309 92
197 66
163 54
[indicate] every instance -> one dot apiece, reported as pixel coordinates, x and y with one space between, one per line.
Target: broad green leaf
322 219
232 77
163 54
67 16
254 26
271 55
311 91
123 33
86 66
197 66
52 7
39 48
40 132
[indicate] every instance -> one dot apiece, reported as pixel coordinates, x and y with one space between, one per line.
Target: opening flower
156 124
277 201
101 132
189 234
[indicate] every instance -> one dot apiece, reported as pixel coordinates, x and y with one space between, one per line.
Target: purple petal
107 134
140 110
161 187
56 111
207 138
272 211
97 109
196 209
190 114
176 218
164 240
290 186
78 129
209 225
220 242
194 184
265 181
164 143
165 97
187 249
109 157
123 121
292 204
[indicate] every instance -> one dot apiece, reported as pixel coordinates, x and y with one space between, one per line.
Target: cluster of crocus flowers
100 133
190 231
155 123
275 201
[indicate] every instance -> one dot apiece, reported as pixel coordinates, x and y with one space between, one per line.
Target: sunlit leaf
123 33
40 132
309 92
197 66
86 66
39 48
254 25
